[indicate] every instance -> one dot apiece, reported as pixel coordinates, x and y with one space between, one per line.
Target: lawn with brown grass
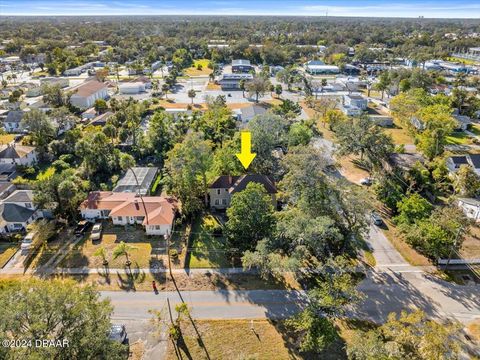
471 245
145 253
6 138
196 71
399 135
474 329
351 171
7 250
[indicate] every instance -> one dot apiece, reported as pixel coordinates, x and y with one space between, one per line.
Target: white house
84 96
17 154
12 122
17 211
470 207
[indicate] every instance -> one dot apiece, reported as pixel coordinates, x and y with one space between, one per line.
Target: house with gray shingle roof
17 154
17 211
224 187
12 122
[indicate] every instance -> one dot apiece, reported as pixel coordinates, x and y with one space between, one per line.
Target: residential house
89 114
55 81
101 120
6 188
354 105
241 66
17 211
17 154
84 96
470 207
224 187
12 122
463 122
8 172
232 81
246 114
144 175
472 160
40 105
145 80
155 213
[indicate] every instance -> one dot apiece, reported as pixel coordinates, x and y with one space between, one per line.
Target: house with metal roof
241 66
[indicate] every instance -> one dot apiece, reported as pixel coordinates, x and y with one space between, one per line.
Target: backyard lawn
149 251
207 251
194 71
6 138
6 252
458 138
399 135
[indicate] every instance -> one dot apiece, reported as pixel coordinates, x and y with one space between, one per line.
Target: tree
60 311
466 181
101 252
257 87
110 131
361 136
412 208
53 95
165 89
299 134
186 168
40 128
250 217
100 106
383 83
407 336
123 249
191 94
278 90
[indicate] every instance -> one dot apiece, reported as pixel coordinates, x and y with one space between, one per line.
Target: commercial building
85 95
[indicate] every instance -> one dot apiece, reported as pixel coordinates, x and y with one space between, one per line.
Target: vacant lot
257 339
207 250
146 251
199 68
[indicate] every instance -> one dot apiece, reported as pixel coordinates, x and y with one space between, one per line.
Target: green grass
458 138
207 251
369 258
6 252
45 174
6 138
156 187
475 129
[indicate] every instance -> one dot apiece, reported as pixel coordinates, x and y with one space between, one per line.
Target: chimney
136 204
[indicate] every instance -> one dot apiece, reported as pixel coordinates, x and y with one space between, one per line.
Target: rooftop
145 176
15 151
89 88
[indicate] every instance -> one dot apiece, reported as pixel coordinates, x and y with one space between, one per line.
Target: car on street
118 333
96 232
27 242
376 219
82 227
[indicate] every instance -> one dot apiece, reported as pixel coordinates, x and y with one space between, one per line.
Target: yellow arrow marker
246 157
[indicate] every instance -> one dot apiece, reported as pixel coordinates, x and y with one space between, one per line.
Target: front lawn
207 251
149 251
399 135
6 252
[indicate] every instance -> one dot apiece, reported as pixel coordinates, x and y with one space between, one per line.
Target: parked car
96 232
376 219
366 181
27 242
118 333
82 227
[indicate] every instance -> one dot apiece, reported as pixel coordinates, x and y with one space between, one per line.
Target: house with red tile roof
155 213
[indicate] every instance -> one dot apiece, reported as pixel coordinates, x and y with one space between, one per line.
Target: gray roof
252 111
14 151
20 196
14 116
13 213
145 176
470 201
241 62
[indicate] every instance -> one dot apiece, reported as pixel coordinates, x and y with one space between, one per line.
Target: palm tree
123 249
102 253
165 88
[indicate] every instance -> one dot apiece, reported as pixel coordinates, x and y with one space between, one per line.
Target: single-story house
470 207
241 66
146 177
17 211
147 82
55 81
155 213
12 122
454 162
101 120
8 172
17 154
224 187
6 188
357 101
84 96
89 113
463 122
246 114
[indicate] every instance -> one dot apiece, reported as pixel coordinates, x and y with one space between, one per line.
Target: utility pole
455 242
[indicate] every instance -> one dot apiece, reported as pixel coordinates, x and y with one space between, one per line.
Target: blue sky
379 8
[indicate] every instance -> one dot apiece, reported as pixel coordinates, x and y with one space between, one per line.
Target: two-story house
224 187
17 211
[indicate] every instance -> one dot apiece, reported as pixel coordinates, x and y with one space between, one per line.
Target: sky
373 8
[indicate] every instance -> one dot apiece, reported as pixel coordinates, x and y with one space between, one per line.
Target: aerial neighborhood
316 179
